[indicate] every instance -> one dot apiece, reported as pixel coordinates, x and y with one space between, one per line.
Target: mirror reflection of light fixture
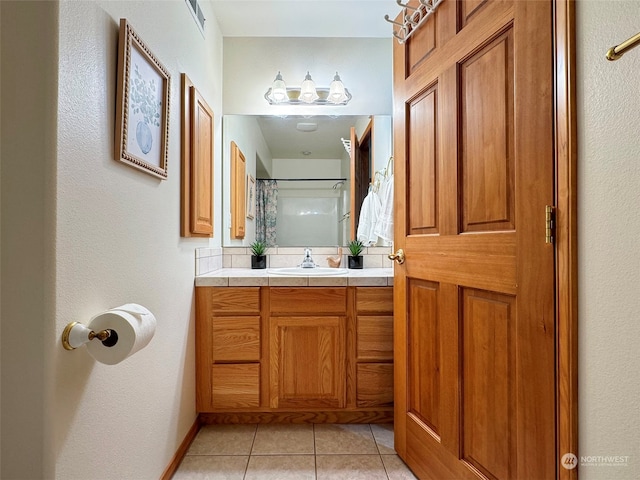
307 93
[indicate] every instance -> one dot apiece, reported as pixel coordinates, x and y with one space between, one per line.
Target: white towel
384 224
368 217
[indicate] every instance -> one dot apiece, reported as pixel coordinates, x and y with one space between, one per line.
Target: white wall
609 232
29 63
382 141
86 233
381 137
364 64
306 168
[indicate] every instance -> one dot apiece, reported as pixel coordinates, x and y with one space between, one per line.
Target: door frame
566 234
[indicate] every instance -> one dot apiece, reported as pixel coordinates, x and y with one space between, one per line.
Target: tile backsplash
211 259
208 260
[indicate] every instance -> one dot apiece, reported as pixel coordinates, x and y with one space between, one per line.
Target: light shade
337 92
278 90
308 92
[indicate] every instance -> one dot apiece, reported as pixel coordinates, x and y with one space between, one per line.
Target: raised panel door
307 362
201 165
474 301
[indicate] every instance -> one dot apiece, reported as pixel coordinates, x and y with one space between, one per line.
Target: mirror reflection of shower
309 212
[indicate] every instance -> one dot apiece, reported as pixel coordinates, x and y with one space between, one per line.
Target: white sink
308 272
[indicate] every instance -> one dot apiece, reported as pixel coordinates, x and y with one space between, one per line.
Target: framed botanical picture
251 197
142 105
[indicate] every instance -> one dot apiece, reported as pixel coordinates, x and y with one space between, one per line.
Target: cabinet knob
398 256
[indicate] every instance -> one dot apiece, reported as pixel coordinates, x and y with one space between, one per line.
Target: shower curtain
266 209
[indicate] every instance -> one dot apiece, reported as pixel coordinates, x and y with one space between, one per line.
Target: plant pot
355 262
258 261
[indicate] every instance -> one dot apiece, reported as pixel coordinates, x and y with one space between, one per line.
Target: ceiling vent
306 127
196 12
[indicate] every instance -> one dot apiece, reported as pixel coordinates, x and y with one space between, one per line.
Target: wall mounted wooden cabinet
196 200
321 354
238 192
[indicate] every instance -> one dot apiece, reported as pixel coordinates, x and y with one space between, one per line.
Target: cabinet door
201 165
238 186
307 362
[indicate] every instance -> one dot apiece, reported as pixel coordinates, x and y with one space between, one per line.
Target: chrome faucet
307 261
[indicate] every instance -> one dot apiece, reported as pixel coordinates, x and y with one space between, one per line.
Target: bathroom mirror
318 188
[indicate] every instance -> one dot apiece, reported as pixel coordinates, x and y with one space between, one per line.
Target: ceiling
304 18
285 141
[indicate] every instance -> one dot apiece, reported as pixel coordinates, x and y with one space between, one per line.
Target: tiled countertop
246 277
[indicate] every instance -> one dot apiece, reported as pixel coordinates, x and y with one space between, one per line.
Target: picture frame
251 197
142 105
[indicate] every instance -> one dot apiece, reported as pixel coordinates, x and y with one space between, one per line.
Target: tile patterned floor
296 452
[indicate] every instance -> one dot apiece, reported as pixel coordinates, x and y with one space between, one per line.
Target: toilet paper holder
76 334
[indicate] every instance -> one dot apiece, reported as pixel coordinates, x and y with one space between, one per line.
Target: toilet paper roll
134 325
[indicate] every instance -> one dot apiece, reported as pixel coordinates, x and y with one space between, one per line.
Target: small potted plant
355 249
258 258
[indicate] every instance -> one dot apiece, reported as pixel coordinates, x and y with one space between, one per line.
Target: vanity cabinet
294 354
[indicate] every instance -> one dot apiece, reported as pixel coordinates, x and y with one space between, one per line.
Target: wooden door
474 301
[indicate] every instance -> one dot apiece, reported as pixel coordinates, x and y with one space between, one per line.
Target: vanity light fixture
307 93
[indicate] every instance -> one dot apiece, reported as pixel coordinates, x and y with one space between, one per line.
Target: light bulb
308 92
278 90
337 93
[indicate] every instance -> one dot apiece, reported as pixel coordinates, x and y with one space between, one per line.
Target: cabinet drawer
236 300
374 300
309 300
374 384
235 386
374 338
235 339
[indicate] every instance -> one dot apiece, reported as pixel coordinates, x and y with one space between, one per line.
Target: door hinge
550 223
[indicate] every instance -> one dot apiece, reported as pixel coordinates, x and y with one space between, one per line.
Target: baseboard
182 450
373 416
